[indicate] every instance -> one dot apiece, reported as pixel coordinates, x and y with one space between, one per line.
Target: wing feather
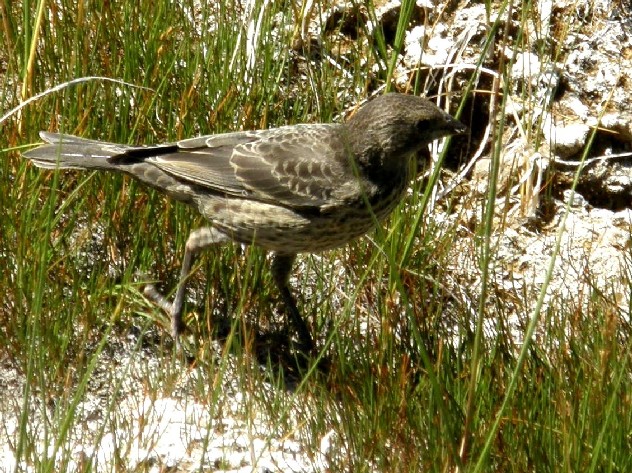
296 166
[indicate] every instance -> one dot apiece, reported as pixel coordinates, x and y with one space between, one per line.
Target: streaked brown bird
293 189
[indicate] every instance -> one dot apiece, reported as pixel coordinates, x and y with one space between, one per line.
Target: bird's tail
72 152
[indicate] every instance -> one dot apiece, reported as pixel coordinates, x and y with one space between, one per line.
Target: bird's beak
455 127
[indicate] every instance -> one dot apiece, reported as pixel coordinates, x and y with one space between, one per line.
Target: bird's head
395 126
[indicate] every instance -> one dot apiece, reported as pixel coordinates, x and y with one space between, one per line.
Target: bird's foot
177 324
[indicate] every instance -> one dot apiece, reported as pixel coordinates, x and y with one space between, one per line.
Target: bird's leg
281 268
198 240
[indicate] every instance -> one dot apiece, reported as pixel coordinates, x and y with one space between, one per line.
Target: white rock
413 46
578 200
619 124
566 141
527 66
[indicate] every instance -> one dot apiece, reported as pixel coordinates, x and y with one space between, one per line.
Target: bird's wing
297 166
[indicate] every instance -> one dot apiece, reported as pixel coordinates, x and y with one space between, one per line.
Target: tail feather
72 152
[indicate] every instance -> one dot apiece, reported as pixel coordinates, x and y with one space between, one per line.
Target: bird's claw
177 325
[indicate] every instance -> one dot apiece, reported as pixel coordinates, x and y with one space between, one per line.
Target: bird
301 188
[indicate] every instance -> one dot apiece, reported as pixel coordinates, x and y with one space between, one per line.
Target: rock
621 126
566 141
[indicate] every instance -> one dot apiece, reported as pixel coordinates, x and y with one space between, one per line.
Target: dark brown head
394 126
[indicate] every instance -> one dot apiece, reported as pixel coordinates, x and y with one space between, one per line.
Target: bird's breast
281 229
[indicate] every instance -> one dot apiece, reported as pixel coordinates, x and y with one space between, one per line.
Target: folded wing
295 166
